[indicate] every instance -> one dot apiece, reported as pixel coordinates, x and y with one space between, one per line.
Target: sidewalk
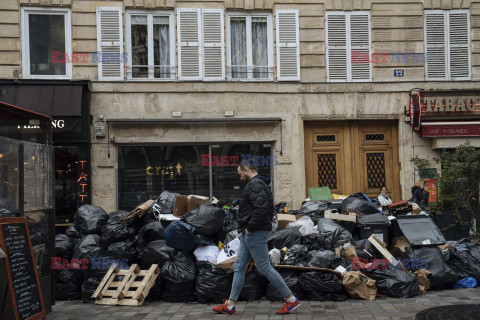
380 309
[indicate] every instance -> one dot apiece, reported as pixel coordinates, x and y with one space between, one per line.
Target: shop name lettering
82 57
82 264
451 104
382 57
165 170
56 124
82 181
234 161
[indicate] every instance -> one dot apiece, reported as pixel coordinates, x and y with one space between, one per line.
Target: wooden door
353 156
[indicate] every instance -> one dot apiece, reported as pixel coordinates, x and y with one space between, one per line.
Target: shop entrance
353 156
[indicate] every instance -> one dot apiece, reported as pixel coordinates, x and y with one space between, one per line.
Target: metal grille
375 170
375 137
327 170
325 138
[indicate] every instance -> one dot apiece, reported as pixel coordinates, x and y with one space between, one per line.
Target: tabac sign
434 105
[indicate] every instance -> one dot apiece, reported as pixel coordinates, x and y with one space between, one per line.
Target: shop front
68 103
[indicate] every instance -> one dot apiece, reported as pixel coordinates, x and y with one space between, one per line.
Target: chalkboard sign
23 282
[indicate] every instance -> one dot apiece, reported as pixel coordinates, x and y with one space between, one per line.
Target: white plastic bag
207 253
275 256
229 251
305 225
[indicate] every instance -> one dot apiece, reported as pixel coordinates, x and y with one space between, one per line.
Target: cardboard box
184 204
284 219
397 248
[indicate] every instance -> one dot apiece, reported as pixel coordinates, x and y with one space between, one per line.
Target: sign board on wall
450 130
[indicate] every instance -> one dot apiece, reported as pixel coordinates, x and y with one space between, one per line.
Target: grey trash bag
64 246
90 219
313 209
332 235
296 255
166 202
323 259
117 229
207 219
72 232
284 238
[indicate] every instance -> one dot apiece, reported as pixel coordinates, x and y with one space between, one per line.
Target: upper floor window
150 39
447 44
249 46
46 43
348 46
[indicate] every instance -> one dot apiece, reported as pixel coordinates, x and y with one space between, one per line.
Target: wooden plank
139 293
352 217
382 248
132 279
106 281
128 277
297 268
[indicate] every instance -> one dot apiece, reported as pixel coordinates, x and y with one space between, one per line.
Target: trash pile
324 251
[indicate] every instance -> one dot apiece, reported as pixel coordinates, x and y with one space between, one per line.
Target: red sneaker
224 309
289 307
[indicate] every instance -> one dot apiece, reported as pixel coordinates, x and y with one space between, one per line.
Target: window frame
348 36
270 39
128 36
446 23
25 34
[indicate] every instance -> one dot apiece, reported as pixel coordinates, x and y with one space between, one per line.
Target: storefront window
147 171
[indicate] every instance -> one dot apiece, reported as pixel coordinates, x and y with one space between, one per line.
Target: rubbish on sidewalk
291 279
184 204
423 280
351 216
121 287
90 219
117 229
179 276
364 249
464 263
321 286
64 246
140 211
212 283
284 238
88 288
285 219
323 259
254 287
382 248
150 232
207 253
297 268
359 285
226 257
180 235
420 230
332 235
296 255
468 282
156 252
398 245
305 225
313 209
376 224
275 256
88 247
358 203
68 284
349 251
395 283
207 219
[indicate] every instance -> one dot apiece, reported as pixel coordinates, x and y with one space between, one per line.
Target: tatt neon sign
83 181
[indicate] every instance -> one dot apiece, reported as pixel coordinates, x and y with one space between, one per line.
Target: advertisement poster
432 189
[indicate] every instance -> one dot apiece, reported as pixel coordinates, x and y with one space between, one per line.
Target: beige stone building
323 88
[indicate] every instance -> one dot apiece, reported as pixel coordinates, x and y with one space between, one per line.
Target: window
348 47
250 46
447 44
150 40
46 43
201 169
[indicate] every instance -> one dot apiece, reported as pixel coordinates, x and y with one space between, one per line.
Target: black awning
53 100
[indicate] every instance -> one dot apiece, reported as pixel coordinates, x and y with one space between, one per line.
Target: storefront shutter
337 63
189 44
110 43
435 42
288 48
213 45
360 44
459 37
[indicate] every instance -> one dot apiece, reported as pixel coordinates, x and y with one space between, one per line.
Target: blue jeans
254 246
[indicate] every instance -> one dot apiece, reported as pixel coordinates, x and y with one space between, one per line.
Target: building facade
318 93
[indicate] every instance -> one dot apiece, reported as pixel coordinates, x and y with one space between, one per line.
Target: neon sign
83 182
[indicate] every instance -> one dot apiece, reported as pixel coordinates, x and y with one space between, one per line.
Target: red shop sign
448 131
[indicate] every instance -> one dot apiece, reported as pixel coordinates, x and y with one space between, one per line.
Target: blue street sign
398 73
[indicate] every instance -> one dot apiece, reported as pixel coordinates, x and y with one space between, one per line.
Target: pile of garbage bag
319 257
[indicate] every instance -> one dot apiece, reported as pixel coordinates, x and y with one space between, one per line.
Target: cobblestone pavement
379 309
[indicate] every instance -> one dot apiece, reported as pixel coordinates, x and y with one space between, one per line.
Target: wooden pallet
129 290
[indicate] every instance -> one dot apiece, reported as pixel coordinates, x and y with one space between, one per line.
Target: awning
53 100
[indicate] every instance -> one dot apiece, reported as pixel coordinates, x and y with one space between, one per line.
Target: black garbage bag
156 252
475 251
296 255
254 287
291 279
150 232
88 247
313 209
88 288
332 235
432 259
311 241
166 202
207 219
181 236
323 259
320 286
232 235
213 283
464 264
90 219
72 232
284 238
364 249
230 224
179 277
68 284
98 266
394 283
358 203
117 229
64 246
126 249
156 291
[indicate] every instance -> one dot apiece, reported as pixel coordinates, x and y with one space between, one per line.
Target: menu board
23 282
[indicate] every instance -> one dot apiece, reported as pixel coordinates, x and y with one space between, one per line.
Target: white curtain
259 48
238 30
162 47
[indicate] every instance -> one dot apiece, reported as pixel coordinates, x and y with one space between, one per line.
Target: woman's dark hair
382 188
247 164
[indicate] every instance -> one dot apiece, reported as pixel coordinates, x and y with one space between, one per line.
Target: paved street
380 309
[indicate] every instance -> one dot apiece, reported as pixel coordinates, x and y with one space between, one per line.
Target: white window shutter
360 44
288 47
110 43
337 62
213 45
435 45
189 44
459 40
